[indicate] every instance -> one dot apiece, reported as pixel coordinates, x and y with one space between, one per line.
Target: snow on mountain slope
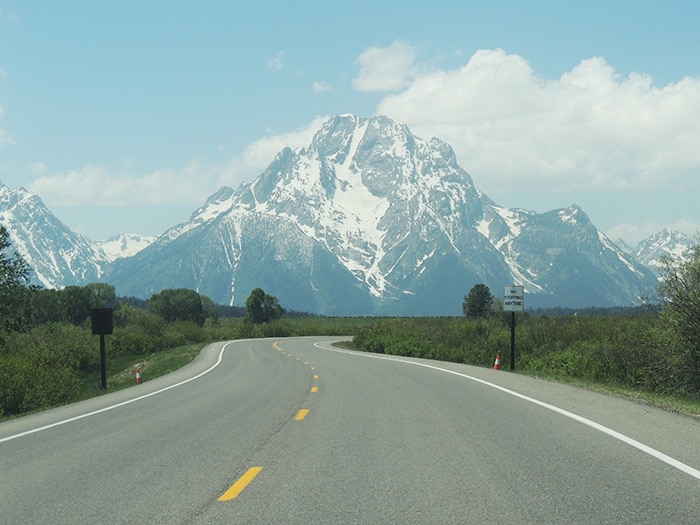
367 219
390 219
666 243
125 245
57 256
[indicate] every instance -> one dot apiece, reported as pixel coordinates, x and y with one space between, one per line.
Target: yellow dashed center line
239 485
250 474
300 415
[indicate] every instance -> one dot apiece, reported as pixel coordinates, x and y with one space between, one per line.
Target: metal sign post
513 301
102 325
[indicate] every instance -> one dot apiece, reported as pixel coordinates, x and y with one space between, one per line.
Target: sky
124 116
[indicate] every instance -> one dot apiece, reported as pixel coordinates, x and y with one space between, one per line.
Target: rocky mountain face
58 256
667 243
369 219
125 245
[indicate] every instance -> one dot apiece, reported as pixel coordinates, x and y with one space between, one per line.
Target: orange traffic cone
497 364
138 376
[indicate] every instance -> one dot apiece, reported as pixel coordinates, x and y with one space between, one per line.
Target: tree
103 295
262 308
76 304
209 310
178 304
14 285
72 304
46 306
479 302
680 292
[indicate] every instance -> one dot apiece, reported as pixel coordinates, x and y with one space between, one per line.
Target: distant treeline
559 311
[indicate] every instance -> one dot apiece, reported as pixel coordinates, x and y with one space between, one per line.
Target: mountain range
368 219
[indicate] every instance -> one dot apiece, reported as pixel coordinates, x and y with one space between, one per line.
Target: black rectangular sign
101 321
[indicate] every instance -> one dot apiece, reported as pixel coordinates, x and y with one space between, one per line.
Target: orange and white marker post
138 376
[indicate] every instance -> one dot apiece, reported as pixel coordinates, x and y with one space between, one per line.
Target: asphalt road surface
296 431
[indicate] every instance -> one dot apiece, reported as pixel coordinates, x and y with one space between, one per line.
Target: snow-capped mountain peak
125 245
666 243
353 187
57 255
369 218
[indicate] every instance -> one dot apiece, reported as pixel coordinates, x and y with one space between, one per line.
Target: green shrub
128 341
27 384
636 351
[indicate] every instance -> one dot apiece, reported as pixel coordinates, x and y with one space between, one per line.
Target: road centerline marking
239 485
301 414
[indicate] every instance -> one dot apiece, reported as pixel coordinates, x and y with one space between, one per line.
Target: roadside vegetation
650 353
49 355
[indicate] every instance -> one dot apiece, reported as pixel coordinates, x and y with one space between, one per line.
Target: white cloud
95 185
276 63
320 87
589 129
38 168
258 155
5 137
386 69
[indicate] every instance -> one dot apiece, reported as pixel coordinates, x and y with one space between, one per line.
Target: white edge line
121 404
597 426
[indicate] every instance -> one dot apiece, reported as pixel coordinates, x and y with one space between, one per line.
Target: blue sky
124 116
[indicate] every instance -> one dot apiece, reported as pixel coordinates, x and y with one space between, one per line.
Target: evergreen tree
479 302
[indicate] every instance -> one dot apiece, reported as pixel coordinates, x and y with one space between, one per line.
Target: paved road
290 432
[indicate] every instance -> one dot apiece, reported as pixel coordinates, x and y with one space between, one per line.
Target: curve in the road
683 467
120 404
597 426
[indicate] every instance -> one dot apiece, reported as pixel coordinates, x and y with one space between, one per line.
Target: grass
675 403
121 371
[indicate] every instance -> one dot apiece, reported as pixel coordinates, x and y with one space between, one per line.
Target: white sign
513 298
